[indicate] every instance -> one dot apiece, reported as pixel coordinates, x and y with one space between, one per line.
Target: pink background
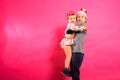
30 32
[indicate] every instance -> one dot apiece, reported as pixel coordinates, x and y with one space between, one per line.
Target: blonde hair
70 14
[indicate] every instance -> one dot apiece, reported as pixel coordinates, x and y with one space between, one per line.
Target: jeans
75 64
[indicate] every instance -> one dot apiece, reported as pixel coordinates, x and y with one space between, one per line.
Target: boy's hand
70 36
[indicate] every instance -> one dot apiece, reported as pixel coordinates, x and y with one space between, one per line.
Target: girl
67 41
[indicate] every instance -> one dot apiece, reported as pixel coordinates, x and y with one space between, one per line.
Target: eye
70 18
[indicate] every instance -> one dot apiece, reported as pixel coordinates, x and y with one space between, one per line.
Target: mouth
72 21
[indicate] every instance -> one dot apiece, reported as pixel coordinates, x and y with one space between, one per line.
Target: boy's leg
75 64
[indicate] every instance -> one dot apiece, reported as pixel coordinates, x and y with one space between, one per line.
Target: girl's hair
70 14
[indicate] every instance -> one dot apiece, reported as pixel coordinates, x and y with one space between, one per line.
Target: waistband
77 53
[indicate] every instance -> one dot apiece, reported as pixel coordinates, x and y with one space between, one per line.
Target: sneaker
66 72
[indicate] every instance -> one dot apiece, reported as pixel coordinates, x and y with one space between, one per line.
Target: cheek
69 20
81 18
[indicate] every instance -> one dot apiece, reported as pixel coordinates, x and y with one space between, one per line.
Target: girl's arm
84 27
71 27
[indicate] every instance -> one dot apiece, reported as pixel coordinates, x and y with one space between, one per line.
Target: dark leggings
75 64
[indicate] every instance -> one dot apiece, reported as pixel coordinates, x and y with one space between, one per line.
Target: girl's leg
68 52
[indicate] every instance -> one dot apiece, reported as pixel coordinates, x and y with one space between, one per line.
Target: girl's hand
79 29
85 28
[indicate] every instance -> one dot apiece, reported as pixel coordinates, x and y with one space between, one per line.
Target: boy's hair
70 14
69 31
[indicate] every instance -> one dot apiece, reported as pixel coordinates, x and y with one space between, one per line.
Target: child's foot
66 72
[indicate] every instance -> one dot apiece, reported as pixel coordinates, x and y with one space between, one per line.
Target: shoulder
70 24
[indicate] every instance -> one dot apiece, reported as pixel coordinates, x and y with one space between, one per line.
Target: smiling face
81 17
72 19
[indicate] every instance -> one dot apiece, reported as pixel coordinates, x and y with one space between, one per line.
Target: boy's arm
70 36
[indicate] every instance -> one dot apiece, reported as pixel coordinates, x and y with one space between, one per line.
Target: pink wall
30 32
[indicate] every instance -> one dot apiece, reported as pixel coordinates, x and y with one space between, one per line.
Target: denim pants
75 64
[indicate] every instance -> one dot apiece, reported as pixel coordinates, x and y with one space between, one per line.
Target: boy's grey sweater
79 40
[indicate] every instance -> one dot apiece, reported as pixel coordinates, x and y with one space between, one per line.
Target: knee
69 56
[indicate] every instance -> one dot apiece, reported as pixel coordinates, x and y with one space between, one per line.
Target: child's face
81 17
72 19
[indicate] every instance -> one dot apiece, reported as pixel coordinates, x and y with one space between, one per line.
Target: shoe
66 72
